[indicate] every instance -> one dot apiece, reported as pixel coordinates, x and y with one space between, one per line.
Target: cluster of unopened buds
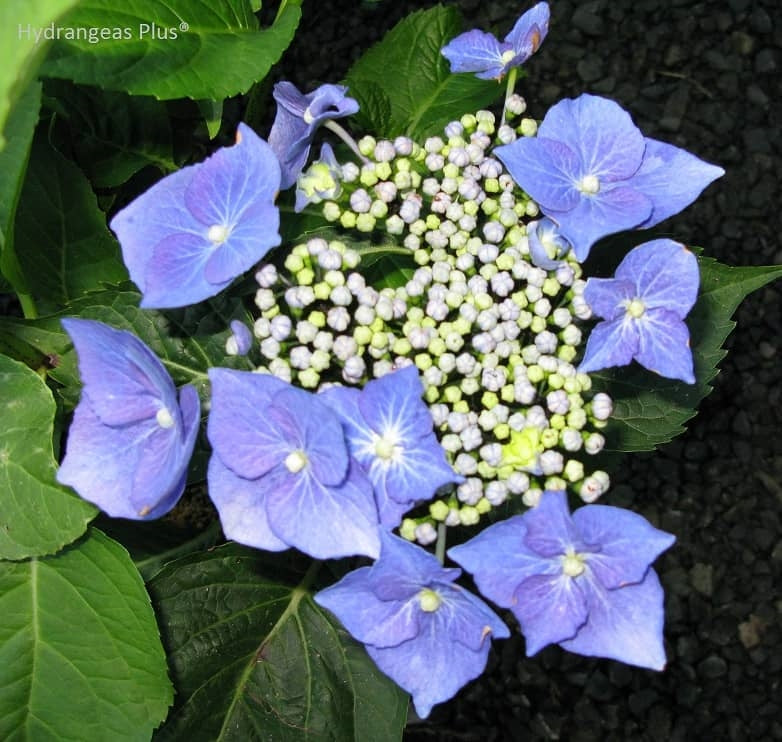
424 399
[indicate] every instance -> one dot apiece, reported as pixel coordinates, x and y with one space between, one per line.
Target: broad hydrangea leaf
424 95
60 239
79 647
39 516
176 49
252 655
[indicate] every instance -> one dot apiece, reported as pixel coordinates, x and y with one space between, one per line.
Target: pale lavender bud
470 189
440 202
477 156
265 299
594 443
517 482
419 337
454 129
465 364
471 437
384 151
350 172
439 413
470 491
552 462
506 134
436 239
434 162
403 146
430 186
571 335
494 379
571 440
457 421
502 284
558 402
266 276
465 464
425 534
280 327
496 493
537 418
468 223
386 191
354 369
434 145
602 406
483 342
410 209
270 348
546 342
344 347
493 232
594 486
488 253
459 157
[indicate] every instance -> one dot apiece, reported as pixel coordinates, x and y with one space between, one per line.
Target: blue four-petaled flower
426 633
582 581
491 59
130 441
644 307
196 230
389 432
592 171
281 474
298 118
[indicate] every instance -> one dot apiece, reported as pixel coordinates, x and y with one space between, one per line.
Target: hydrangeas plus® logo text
96 34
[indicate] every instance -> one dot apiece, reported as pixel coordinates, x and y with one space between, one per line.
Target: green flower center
429 600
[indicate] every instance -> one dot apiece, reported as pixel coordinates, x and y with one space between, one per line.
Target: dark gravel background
704 76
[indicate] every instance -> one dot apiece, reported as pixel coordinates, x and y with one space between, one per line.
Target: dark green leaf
13 163
37 515
255 658
113 135
405 85
20 51
650 410
212 111
80 652
199 49
61 239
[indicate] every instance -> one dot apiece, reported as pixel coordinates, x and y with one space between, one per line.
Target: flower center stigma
307 116
164 418
589 185
572 564
387 447
295 461
507 56
635 308
429 600
218 233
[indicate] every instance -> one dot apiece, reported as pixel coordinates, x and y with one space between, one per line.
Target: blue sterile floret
191 234
425 632
592 171
644 307
298 118
486 56
547 246
130 441
389 432
281 474
582 581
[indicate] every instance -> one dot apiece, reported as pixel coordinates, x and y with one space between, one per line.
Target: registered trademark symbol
184 26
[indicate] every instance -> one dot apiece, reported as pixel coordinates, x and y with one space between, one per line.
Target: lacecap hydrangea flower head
190 235
131 439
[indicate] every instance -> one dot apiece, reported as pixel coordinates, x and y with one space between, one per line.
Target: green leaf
257 658
196 49
37 515
406 75
212 111
113 135
61 239
13 163
650 410
80 652
20 53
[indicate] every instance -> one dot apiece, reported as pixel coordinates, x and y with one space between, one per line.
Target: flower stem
509 90
439 548
345 137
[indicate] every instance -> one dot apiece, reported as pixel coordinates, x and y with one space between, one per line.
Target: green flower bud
309 378
549 438
489 400
574 471
483 506
452 394
293 263
468 515
502 431
383 170
407 529
439 510
365 222
362 335
423 361
331 211
305 277
528 127
347 219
